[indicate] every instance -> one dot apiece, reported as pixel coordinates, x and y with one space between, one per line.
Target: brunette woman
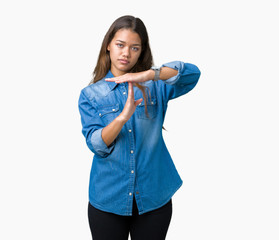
133 177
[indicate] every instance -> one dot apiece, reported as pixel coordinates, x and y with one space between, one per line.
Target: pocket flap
103 110
149 102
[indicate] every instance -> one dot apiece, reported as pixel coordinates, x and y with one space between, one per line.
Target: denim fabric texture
138 162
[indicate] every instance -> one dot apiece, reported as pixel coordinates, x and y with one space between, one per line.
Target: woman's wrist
150 74
165 73
121 119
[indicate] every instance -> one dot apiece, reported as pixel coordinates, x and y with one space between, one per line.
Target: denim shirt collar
111 85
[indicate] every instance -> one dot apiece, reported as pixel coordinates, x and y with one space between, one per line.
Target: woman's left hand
133 77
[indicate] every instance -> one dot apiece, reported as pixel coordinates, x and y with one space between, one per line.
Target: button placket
131 164
131 188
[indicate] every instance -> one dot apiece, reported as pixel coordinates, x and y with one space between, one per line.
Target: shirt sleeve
92 126
185 80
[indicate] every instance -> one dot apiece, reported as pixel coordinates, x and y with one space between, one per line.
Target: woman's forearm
165 73
111 131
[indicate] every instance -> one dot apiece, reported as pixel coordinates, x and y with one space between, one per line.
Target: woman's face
124 50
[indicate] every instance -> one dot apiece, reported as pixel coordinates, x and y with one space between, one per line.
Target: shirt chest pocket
151 106
108 113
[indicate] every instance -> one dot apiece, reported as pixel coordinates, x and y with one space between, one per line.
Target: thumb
137 102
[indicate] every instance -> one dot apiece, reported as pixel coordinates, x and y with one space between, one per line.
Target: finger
137 102
122 80
111 79
130 90
116 80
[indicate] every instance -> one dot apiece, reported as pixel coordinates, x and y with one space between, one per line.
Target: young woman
133 177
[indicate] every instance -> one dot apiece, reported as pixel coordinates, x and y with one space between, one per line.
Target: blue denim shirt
137 164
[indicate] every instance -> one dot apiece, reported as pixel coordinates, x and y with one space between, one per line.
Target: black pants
152 225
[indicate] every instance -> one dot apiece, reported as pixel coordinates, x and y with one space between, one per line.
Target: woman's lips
123 61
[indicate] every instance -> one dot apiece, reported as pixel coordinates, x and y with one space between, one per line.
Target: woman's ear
108 48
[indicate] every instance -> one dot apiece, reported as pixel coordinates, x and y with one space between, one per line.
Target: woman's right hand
111 131
131 104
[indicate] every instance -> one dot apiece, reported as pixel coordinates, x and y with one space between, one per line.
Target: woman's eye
119 45
135 49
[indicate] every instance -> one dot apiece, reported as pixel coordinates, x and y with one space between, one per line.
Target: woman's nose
126 52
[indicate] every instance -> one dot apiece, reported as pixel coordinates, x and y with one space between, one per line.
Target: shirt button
130 194
132 171
130 130
124 93
152 103
100 114
139 104
132 151
113 110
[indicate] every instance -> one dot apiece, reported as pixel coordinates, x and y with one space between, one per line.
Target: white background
223 135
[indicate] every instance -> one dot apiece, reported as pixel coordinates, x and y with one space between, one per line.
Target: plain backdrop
223 135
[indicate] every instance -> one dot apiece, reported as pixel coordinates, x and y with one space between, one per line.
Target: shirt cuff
177 65
99 145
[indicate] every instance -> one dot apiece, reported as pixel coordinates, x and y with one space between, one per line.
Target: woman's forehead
127 36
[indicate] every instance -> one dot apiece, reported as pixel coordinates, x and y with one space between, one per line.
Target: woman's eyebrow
136 44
